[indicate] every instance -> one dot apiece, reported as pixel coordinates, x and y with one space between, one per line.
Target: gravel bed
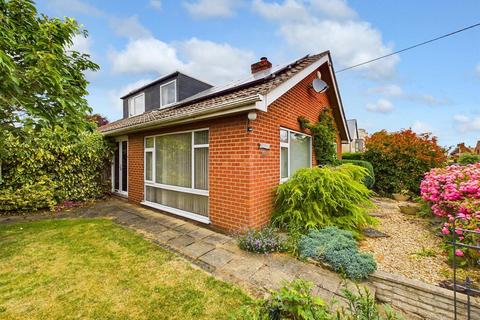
411 249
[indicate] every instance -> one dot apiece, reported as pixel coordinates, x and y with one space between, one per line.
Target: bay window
176 173
295 152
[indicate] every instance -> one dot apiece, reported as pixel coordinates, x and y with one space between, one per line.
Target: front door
120 168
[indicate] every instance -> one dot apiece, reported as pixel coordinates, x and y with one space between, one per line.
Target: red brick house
216 154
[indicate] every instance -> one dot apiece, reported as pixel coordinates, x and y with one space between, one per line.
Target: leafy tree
43 81
400 159
468 158
98 119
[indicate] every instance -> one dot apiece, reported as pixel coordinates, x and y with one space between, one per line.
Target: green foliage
324 137
265 240
400 159
43 81
327 196
293 301
468 158
44 167
362 306
369 180
352 155
338 248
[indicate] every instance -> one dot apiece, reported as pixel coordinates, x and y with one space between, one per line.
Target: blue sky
433 88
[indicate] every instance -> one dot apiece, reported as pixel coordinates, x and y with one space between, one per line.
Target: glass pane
173 162
283 136
124 166
184 201
149 143
201 168
139 104
168 94
284 162
148 166
116 167
299 152
201 137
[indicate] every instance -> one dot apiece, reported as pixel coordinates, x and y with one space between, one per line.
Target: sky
434 88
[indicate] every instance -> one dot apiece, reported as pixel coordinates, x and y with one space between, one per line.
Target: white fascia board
340 104
279 91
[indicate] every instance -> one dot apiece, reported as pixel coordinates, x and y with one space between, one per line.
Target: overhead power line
411 47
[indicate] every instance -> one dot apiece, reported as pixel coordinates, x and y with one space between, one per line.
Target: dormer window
168 93
136 105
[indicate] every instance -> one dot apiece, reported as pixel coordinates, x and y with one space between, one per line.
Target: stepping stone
201 233
216 238
197 249
243 267
167 235
217 257
187 228
373 233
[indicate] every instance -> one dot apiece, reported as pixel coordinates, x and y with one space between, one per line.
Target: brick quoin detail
242 177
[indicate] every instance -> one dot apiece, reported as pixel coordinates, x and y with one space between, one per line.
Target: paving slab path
214 252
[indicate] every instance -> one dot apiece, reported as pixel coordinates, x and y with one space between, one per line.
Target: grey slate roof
212 98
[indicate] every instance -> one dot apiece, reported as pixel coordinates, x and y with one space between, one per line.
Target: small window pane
168 94
201 137
149 143
148 166
201 168
173 159
283 136
184 201
284 162
299 152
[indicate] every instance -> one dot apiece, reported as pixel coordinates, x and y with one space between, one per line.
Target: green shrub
44 167
338 248
369 180
265 240
352 155
327 196
468 158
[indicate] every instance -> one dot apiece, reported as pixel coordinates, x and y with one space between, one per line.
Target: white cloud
381 106
429 100
334 8
352 41
114 95
421 127
81 44
129 27
145 55
156 4
213 62
466 124
389 90
211 8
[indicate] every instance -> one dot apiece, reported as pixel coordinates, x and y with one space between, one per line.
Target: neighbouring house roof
352 128
253 91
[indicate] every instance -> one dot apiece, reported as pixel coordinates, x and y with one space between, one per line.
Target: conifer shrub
337 248
327 196
352 155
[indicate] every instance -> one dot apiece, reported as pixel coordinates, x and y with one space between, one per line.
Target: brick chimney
261 65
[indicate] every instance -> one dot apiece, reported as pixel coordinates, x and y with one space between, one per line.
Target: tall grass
326 196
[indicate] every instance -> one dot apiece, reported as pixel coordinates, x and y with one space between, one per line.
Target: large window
168 93
176 173
136 105
295 152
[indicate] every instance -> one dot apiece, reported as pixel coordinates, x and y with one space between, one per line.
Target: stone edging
419 299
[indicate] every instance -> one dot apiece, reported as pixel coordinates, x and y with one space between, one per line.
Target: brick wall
242 177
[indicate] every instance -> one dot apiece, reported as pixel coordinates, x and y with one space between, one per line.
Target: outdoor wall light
252 115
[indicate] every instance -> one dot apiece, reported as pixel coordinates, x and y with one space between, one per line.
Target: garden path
214 252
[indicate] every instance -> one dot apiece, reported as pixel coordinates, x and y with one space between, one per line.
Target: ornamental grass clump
327 196
265 240
337 248
454 194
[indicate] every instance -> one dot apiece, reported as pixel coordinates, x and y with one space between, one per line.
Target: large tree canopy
42 79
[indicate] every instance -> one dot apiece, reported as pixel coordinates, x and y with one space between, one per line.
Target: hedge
352 156
369 180
45 167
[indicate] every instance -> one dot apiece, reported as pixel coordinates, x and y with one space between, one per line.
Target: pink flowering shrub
454 192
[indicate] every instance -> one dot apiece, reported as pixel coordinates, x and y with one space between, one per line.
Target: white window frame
131 102
287 145
191 190
166 84
120 178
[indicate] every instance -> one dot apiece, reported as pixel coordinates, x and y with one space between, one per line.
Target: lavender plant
265 240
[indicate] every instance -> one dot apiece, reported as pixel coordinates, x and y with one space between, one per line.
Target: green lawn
94 269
